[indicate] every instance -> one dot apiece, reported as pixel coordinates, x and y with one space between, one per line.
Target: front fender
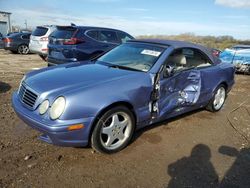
89 102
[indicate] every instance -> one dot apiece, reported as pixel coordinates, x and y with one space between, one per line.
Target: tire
23 49
113 131
218 99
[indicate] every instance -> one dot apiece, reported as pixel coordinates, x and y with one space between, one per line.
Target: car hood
73 76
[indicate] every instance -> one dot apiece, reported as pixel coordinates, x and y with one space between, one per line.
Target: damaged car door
180 86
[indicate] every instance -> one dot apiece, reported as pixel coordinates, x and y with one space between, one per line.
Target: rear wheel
23 49
113 130
218 99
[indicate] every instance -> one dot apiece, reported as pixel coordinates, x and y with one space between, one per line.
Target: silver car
39 40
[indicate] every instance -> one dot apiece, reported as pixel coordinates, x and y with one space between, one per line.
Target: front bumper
54 132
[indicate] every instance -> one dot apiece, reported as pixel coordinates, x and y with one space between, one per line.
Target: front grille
27 96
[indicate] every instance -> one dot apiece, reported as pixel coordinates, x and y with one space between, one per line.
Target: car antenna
72 24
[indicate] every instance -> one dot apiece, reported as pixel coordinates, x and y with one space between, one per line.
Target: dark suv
78 43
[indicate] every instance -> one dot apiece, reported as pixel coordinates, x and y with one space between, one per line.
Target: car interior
187 58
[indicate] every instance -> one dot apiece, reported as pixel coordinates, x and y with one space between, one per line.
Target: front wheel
218 99
23 49
113 130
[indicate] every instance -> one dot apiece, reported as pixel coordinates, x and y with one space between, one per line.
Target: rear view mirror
168 71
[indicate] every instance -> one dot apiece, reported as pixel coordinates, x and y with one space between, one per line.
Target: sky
138 17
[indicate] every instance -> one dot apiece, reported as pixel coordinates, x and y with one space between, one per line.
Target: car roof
178 44
241 46
173 43
19 33
46 26
91 27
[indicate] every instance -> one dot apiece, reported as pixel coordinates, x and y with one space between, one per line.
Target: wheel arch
218 84
23 44
224 83
105 109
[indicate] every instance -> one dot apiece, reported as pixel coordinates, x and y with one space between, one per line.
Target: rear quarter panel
213 76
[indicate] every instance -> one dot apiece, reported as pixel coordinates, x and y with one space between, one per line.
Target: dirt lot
199 149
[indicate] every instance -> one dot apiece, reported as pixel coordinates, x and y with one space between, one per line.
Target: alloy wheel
23 49
219 98
116 130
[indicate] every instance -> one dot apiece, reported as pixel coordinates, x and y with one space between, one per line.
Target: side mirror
168 71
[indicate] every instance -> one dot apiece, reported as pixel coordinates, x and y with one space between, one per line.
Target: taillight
44 39
6 40
72 41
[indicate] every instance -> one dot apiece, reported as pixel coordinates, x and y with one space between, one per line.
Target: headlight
57 108
43 107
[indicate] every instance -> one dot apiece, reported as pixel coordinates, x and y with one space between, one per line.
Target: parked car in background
1 40
239 57
134 85
17 42
78 43
240 47
14 32
39 40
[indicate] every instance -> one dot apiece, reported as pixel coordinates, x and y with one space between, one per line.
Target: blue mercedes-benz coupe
103 101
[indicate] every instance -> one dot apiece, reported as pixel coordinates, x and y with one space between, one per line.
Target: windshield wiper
124 68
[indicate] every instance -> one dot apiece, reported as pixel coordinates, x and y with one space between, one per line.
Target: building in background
5 25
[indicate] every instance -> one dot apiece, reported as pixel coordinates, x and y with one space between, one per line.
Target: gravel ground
198 149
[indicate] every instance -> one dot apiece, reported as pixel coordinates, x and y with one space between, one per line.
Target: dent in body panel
190 94
180 91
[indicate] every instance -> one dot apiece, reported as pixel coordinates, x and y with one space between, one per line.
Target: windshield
63 32
135 56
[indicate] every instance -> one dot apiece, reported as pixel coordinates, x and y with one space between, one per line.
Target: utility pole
26 24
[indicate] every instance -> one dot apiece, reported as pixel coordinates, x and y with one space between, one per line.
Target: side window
92 34
108 36
177 60
186 58
195 58
123 37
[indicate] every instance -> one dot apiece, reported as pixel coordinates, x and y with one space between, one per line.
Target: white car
39 40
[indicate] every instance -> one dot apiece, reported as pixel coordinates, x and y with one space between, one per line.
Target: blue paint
90 87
